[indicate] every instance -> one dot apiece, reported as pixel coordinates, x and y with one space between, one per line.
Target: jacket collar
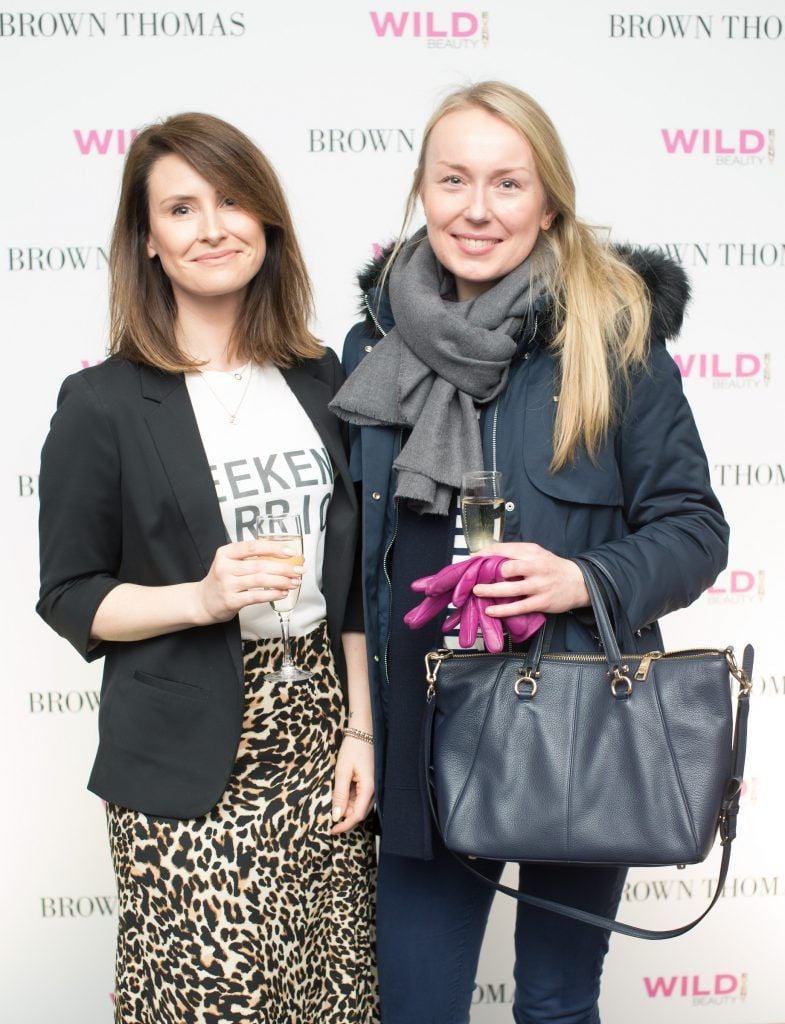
157 384
171 421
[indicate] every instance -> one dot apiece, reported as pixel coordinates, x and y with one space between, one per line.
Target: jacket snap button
510 506
376 495
369 348
376 657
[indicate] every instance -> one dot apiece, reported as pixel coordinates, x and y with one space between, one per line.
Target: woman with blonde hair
508 335
236 796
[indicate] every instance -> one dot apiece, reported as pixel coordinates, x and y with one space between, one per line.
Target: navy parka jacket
644 509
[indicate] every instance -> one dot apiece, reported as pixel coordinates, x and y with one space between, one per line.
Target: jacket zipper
373 317
383 333
385 567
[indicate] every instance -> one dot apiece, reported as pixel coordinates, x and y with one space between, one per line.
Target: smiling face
208 247
483 199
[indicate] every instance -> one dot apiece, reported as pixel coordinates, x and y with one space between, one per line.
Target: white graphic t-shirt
269 461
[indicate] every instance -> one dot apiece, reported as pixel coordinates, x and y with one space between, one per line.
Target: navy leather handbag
606 759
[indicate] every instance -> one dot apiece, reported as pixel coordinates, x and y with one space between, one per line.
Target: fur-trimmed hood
666 282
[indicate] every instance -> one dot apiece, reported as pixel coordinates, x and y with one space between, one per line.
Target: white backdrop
672 115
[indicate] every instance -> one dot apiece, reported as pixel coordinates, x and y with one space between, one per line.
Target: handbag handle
610 644
623 628
608 637
729 810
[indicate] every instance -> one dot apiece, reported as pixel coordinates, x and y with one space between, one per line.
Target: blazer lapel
172 424
171 421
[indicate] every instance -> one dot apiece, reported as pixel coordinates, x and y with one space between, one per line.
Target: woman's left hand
353 785
537 581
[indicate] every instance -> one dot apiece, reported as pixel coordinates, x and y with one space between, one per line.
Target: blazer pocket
174 686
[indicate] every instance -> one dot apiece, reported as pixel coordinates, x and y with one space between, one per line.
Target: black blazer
127 497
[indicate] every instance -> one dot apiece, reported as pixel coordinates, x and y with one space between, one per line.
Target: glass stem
287 664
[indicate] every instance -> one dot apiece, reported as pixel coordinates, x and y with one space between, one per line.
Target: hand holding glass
482 509
285 532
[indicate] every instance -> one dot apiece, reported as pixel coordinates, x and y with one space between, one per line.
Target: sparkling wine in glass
482 509
285 532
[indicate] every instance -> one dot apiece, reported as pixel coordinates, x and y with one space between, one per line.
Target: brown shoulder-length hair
278 304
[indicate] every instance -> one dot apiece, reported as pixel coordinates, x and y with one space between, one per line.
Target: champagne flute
285 532
482 509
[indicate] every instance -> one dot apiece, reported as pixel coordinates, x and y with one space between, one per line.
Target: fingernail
337 813
299 569
286 551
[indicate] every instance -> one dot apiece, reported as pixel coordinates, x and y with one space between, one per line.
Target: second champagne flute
482 509
285 532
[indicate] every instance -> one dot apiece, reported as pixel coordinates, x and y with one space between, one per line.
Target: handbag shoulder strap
727 826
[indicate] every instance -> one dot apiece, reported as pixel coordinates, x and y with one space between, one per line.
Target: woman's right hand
245 573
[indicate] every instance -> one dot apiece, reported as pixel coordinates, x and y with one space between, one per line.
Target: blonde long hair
602 307
277 306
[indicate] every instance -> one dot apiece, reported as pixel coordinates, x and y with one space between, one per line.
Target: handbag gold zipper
645 660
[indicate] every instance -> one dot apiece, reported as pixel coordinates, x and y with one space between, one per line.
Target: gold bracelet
358 734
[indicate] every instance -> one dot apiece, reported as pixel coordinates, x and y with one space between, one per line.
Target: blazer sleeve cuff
354 619
71 610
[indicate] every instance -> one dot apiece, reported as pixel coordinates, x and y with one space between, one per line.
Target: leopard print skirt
254 912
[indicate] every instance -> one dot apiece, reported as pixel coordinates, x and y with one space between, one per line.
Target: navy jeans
431 918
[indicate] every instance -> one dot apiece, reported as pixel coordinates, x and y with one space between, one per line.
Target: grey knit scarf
440 360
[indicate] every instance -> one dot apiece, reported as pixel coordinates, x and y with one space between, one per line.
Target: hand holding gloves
454 585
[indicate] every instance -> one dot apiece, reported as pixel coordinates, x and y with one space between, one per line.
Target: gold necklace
238 375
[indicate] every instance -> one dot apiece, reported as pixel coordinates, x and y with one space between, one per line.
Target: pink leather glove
455 584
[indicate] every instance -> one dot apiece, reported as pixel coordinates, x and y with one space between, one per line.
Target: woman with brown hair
236 800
